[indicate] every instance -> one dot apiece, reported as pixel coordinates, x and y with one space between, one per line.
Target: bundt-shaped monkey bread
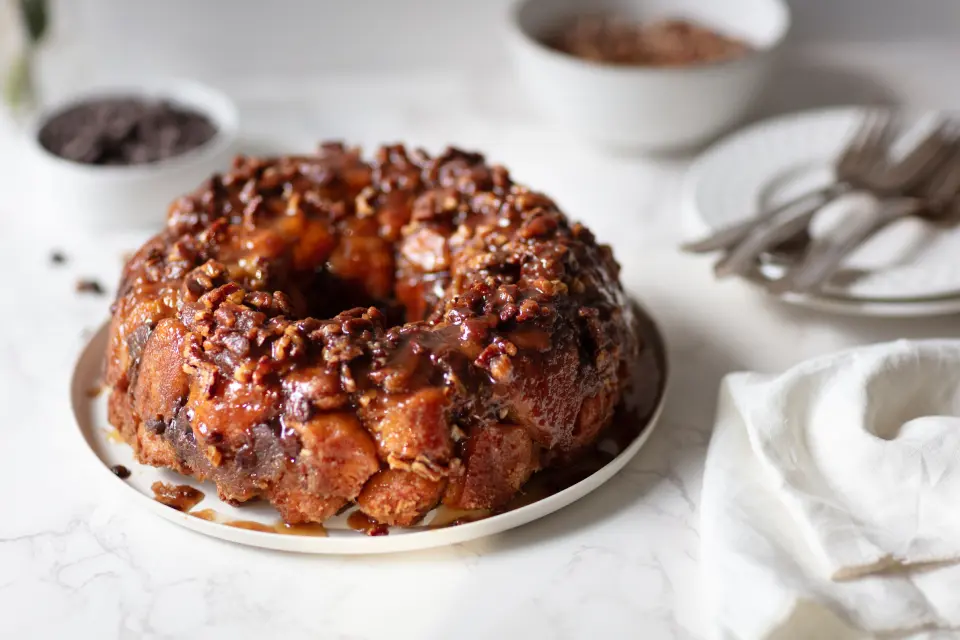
320 330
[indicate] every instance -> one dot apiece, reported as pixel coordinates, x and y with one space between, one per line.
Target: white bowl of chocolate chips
116 157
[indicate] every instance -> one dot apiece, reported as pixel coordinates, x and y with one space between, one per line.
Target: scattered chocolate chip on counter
120 471
124 131
57 257
88 285
618 40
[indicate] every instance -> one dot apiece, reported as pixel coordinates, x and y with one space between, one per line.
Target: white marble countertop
79 561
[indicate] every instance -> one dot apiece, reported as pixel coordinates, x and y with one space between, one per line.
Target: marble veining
80 560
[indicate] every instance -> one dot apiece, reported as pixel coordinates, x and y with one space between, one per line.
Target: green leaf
18 90
34 14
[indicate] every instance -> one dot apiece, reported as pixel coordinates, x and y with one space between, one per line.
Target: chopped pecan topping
332 319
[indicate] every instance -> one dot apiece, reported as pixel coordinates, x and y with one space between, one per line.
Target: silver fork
825 256
871 172
863 150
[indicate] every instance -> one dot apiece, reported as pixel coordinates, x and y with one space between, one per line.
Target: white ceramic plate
948 305
105 450
773 160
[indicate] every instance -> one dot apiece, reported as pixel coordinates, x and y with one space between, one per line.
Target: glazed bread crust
320 330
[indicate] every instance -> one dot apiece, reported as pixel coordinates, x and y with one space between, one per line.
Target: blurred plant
20 92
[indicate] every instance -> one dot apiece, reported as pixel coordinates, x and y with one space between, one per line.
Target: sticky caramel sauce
541 485
449 517
315 530
250 525
205 514
181 497
552 481
359 521
630 418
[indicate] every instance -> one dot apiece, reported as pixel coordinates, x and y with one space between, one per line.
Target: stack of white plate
910 269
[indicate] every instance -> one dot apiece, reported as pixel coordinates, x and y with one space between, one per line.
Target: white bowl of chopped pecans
116 157
653 75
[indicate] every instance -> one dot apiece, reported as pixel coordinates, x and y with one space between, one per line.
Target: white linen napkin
831 498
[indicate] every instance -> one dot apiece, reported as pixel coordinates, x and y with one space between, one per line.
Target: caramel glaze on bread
319 330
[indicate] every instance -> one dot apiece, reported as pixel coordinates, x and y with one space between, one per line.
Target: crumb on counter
89 285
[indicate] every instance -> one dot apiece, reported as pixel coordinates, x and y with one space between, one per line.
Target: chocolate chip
89 285
155 425
120 471
137 340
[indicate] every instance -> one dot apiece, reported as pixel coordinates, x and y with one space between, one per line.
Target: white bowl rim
214 104
521 35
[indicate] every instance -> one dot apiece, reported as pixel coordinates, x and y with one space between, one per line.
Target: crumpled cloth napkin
831 498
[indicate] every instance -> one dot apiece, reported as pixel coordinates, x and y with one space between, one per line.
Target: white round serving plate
105 450
910 264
